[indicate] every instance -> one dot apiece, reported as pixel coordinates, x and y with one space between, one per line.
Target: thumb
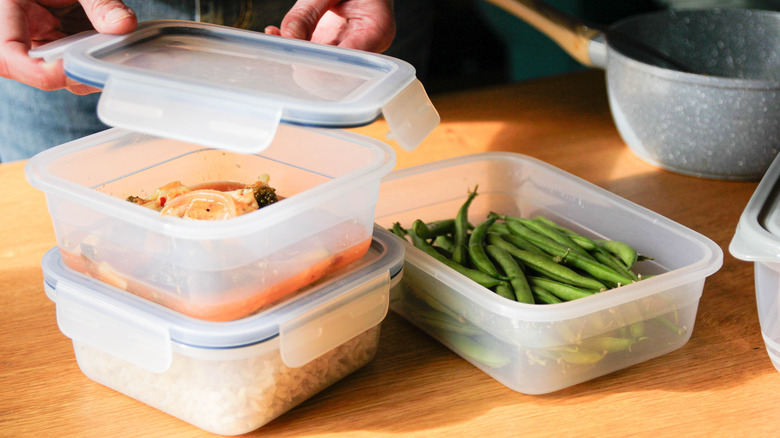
301 20
110 16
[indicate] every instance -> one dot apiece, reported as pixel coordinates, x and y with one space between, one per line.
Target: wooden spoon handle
570 34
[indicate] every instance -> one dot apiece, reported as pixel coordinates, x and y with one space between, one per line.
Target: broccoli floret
265 195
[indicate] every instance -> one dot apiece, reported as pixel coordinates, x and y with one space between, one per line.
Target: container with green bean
538 278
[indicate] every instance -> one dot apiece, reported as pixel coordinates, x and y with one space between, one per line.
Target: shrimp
213 201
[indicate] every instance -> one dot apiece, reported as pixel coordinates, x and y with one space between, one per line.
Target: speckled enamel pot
721 122
713 112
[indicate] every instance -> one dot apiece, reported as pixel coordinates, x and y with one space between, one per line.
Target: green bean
554 234
583 242
498 227
609 344
637 329
421 229
443 251
565 292
505 290
398 230
476 247
568 333
478 276
607 259
522 243
544 265
559 227
623 251
444 242
543 242
520 286
668 324
544 297
591 245
596 269
605 256
433 303
460 252
437 228
476 350
632 317
539 356
442 322
581 356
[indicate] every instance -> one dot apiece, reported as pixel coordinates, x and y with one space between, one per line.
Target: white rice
233 396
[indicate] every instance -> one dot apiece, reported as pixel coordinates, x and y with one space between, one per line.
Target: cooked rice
228 397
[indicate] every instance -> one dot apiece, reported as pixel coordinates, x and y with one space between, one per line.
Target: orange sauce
222 186
236 303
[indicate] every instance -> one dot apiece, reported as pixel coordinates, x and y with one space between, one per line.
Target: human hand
355 24
28 24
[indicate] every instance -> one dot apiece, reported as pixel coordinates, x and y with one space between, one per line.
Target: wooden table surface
721 383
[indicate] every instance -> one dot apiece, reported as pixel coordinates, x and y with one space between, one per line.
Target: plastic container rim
200 230
245 332
752 241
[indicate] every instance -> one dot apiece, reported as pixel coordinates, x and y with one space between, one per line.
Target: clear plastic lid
757 237
318 318
230 88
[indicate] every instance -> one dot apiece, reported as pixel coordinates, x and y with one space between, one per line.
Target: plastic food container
201 103
534 348
231 377
213 270
757 240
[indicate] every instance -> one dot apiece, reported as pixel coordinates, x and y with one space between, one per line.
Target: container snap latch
199 118
411 116
112 330
319 330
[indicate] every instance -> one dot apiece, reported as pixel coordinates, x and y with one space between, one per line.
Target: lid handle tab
411 116
113 330
199 118
325 327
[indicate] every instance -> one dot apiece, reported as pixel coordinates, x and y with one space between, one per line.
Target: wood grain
721 383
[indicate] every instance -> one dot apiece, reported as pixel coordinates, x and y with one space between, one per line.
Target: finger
56 69
301 20
374 28
79 88
41 24
272 30
356 24
71 16
110 16
34 72
372 32
15 42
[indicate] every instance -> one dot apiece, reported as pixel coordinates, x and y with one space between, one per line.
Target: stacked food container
227 323
231 377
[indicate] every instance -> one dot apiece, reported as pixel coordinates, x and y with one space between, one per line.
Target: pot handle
571 34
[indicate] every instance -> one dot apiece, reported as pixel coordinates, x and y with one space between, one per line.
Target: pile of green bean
529 260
